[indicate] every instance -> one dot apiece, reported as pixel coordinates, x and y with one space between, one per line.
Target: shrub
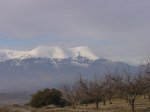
47 97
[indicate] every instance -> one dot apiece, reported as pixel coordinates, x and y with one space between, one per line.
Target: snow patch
84 52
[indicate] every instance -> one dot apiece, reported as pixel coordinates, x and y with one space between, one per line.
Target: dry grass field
141 105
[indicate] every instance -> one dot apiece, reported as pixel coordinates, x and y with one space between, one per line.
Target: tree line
126 85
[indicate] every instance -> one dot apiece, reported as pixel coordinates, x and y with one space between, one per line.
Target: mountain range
47 66
48 52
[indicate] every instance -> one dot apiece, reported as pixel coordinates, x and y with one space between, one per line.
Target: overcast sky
119 28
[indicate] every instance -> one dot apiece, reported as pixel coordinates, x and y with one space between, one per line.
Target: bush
47 97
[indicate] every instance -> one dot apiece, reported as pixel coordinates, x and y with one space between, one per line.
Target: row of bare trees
125 85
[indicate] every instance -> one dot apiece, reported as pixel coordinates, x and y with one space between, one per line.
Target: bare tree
94 89
146 77
131 86
71 93
110 86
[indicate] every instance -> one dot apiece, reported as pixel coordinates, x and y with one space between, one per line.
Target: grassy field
141 105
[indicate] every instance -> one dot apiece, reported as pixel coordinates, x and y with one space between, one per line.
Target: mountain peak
49 52
83 51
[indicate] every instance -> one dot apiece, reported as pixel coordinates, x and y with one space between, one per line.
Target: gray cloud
96 18
122 23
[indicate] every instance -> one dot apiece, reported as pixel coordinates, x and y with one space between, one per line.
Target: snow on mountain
3 55
48 52
84 52
13 54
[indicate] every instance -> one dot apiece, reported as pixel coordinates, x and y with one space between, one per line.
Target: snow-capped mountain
48 52
52 66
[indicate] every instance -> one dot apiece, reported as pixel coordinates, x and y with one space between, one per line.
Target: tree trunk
132 105
97 102
73 105
130 101
110 102
144 96
104 102
149 97
86 104
127 99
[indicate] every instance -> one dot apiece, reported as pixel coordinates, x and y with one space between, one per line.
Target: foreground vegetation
113 92
118 105
126 86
